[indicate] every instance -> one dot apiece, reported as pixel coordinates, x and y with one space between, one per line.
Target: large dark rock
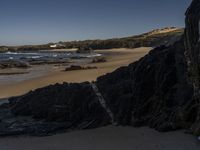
153 91
13 64
192 42
56 107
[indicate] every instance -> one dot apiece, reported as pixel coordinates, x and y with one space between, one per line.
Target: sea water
43 55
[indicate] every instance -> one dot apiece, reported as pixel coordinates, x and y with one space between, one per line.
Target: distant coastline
153 38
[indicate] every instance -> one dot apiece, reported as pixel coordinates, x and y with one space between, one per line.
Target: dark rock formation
161 90
85 50
153 91
50 109
13 64
78 67
192 42
99 59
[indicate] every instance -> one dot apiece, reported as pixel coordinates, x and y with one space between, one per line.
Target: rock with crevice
54 108
153 91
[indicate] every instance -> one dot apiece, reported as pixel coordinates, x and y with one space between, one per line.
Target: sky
25 22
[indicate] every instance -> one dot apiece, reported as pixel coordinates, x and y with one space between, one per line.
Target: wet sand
106 138
115 59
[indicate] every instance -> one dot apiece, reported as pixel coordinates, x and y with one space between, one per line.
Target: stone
78 67
13 64
192 43
52 109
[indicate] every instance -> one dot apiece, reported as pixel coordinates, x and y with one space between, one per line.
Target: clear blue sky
43 21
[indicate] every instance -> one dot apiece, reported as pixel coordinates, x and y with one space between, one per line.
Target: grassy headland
150 39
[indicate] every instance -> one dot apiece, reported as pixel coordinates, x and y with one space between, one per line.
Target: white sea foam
35 57
26 55
93 55
15 53
12 53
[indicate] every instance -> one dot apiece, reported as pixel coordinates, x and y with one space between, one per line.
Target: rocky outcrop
78 67
13 64
192 44
161 91
153 91
51 109
99 59
85 50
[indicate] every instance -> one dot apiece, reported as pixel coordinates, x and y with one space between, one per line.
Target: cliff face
192 33
153 91
160 91
192 45
192 39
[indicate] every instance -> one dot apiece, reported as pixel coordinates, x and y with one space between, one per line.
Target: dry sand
106 138
115 59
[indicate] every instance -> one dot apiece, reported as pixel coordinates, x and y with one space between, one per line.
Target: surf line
103 102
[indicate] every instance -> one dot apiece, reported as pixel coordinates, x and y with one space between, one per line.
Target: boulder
192 44
153 91
14 64
59 107
78 67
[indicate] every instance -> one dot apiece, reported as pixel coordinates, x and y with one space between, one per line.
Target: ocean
42 55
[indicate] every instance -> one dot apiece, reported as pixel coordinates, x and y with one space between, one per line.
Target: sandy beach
106 138
115 59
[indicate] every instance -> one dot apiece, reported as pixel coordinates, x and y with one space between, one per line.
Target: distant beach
46 74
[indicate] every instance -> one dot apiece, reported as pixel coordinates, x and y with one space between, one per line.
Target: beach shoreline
108 137
115 59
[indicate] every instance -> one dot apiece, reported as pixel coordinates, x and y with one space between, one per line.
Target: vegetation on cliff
154 38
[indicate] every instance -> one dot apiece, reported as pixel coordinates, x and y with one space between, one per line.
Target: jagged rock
13 64
66 102
152 91
78 67
192 40
56 107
